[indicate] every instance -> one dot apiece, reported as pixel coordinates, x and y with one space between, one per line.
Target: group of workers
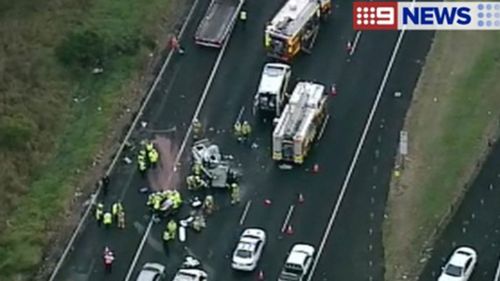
242 131
148 157
164 201
196 180
106 217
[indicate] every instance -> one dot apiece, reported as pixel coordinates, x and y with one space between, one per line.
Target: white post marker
361 142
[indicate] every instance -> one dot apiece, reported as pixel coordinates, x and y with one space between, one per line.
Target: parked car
460 265
151 272
249 249
298 263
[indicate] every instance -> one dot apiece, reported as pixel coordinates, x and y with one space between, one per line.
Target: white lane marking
139 250
120 149
323 127
355 43
240 114
201 102
361 142
245 212
287 218
184 142
497 274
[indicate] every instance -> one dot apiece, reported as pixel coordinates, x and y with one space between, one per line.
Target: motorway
476 223
355 155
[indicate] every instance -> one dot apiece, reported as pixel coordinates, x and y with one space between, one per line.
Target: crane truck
295 28
300 123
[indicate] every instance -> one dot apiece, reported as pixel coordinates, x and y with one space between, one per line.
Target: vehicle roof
146 275
296 258
189 274
272 83
292 16
460 256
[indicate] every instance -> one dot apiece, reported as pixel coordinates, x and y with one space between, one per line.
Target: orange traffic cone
315 168
267 202
333 90
261 275
289 230
301 198
348 47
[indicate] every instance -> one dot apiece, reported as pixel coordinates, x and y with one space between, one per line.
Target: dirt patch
451 124
164 177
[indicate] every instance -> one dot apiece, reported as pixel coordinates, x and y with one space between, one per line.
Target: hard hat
245 122
234 184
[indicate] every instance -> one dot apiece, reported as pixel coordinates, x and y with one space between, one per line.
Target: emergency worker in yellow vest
99 212
107 219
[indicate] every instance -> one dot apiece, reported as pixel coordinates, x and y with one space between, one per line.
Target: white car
249 249
190 275
298 263
460 265
151 272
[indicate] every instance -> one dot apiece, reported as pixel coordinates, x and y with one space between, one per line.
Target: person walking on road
237 130
175 45
243 15
121 219
109 257
197 129
235 194
172 228
246 130
107 219
99 212
116 208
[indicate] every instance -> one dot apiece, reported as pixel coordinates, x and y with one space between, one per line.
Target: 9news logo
375 15
426 15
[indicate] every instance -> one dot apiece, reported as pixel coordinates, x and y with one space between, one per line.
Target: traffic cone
267 202
301 198
333 90
315 168
348 47
289 230
261 275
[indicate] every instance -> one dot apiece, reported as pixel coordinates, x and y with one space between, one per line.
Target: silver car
151 272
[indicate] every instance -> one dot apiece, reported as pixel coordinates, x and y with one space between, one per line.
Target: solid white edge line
497 274
208 85
138 252
120 149
334 213
245 212
287 218
323 127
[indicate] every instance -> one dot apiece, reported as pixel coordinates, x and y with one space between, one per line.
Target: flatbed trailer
218 22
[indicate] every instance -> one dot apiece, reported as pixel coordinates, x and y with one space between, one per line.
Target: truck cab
298 263
272 91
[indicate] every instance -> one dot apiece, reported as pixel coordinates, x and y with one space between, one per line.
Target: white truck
218 22
272 94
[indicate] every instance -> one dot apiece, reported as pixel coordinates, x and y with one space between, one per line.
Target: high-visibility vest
153 156
172 226
149 147
157 203
166 235
117 208
108 218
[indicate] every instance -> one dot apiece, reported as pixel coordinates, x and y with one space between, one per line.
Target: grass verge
56 116
453 116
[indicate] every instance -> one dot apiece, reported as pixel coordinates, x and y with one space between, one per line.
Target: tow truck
295 28
272 94
218 22
301 122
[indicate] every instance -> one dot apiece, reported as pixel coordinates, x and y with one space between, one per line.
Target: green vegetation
454 114
54 113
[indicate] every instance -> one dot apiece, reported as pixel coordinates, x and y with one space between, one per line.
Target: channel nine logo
426 15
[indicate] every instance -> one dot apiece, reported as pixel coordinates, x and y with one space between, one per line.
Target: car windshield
287 276
453 270
243 253
273 71
293 270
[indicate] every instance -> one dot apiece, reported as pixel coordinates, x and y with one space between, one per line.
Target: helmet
245 122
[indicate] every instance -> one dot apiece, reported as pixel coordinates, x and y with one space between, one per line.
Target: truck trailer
218 22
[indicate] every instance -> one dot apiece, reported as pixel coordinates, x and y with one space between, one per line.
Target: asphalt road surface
346 252
476 224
